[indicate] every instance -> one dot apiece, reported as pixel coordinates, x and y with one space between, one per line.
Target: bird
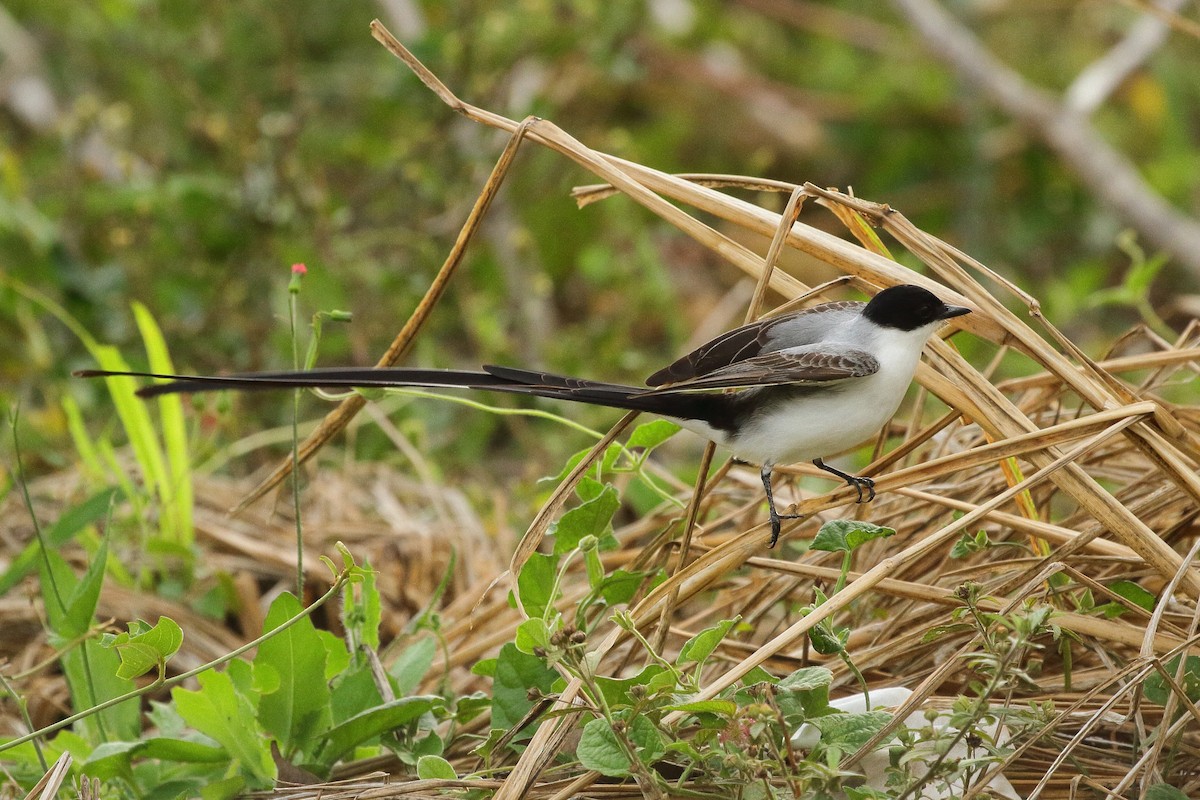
795 387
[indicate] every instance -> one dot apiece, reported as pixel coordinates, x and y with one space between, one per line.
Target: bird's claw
862 483
776 522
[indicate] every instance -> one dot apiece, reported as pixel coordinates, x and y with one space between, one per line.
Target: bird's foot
851 480
862 483
776 521
776 517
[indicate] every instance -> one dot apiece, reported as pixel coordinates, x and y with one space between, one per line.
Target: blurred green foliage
241 137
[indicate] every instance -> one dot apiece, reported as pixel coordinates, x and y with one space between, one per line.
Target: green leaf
71 603
1109 610
485 667
619 587
1164 791
143 648
940 631
81 607
588 488
602 466
599 748
600 751
665 681
1157 690
57 582
241 672
110 760
183 751
647 738
373 607
589 518
337 657
362 611
615 691
516 674
59 534
1085 602
173 789
135 419
848 732
353 692
532 634
413 664
804 694
227 717
435 768
164 717
844 535
758 675
89 668
371 723
175 492
166 637
1134 593
468 707
535 584
226 789
722 708
806 679
429 745
968 544
698 648
298 710
591 556
651 434
264 679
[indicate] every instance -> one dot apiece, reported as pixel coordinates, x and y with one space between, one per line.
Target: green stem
23 707
44 548
296 453
841 581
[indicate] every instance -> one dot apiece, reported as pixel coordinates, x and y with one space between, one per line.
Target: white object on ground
874 765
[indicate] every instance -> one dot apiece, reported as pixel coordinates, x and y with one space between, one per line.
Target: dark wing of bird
821 364
728 348
741 344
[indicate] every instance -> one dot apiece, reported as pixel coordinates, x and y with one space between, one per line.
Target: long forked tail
492 378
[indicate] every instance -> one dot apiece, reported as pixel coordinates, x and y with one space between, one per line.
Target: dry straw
1081 463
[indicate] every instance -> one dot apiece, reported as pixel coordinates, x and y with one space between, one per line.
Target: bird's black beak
954 311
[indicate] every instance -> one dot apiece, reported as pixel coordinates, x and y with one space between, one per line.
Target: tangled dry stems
1082 466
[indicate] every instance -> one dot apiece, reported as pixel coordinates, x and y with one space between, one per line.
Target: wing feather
744 343
781 367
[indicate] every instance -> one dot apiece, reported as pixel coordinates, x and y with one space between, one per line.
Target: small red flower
298 272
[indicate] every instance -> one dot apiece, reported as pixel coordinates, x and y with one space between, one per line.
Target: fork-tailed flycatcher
809 384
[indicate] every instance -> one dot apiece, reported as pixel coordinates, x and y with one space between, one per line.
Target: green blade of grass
67 527
176 489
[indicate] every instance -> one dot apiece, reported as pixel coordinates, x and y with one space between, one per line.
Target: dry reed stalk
1111 429
1090 475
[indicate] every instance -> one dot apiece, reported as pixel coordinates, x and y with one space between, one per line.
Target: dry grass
1081 466
1071 427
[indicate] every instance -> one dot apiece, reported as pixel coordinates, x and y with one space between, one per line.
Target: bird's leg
776 517
851 480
